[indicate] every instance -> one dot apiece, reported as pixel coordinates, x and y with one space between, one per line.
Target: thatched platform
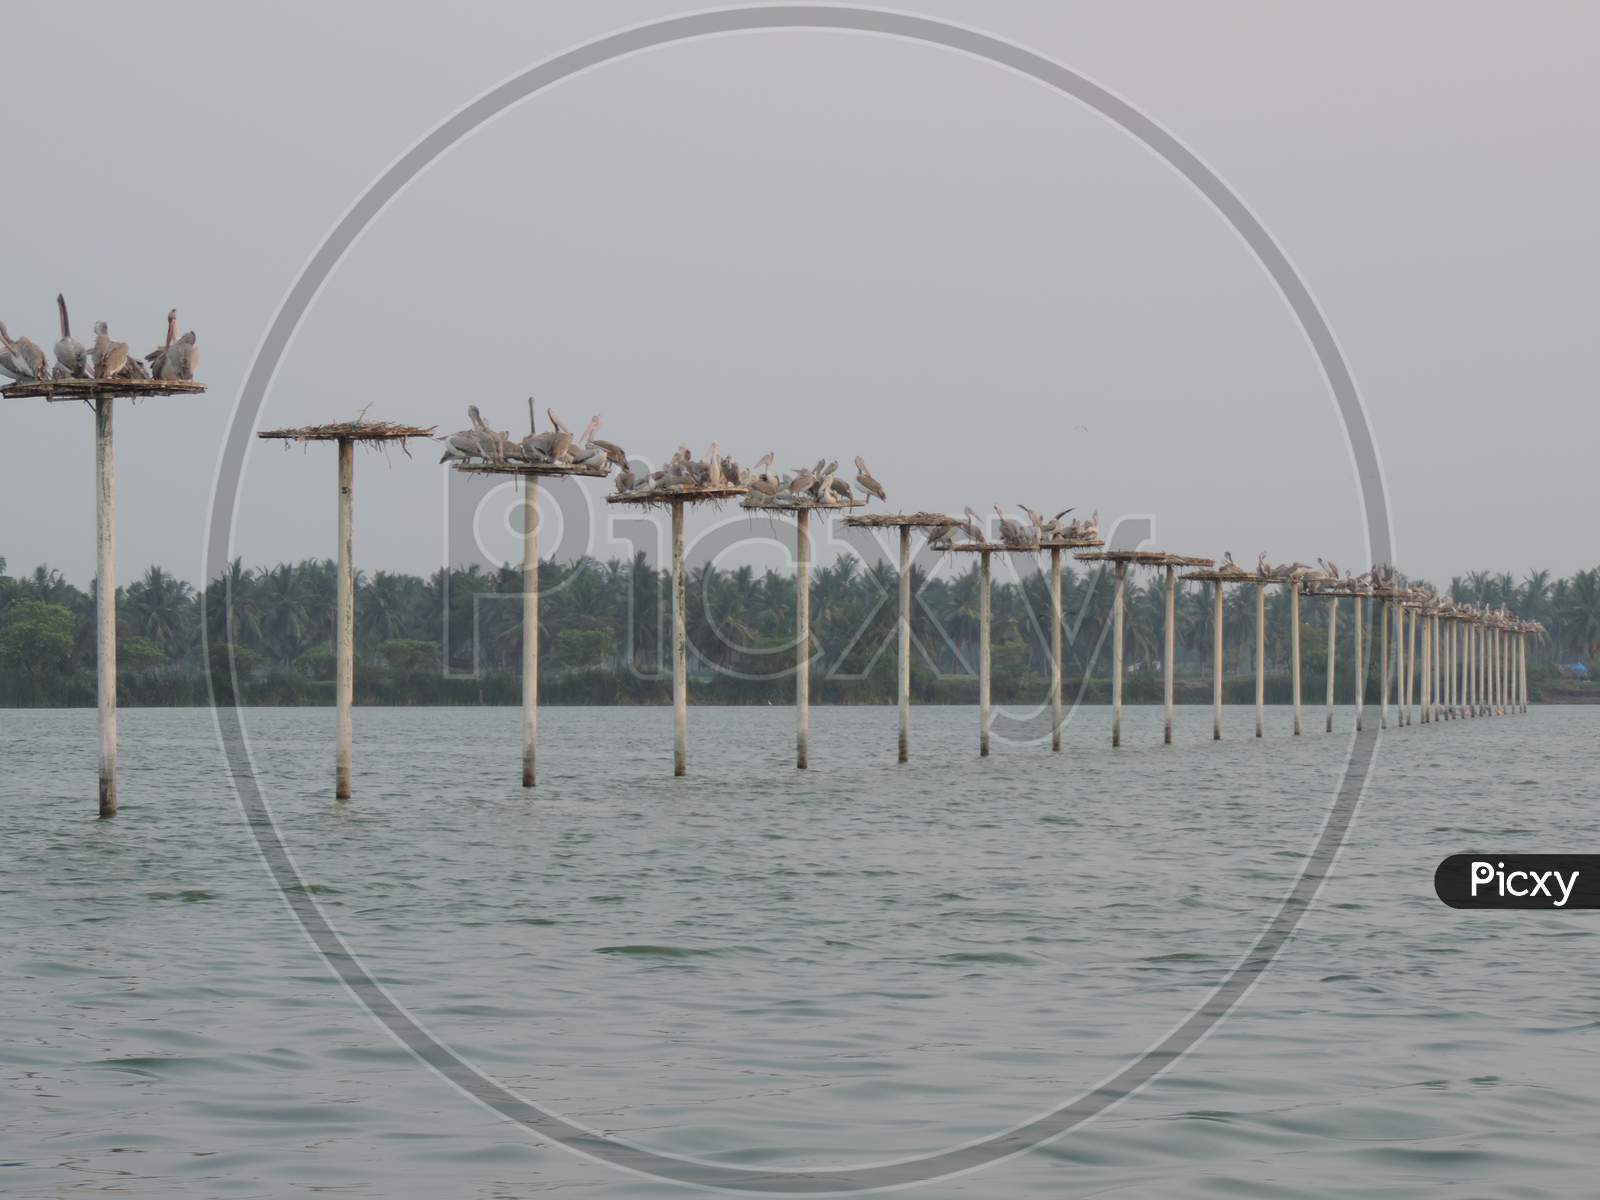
697 494
1145 558
92 389
531 468
992 548
1070 544
780 505
350 431
1240 576
920 520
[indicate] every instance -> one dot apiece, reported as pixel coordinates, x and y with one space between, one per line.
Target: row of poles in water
1462 663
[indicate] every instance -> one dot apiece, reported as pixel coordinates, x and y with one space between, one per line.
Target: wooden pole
105 596
1452 679
1120 571
802 611
680 651
1294 648
530 629
1499 671
345 622
1261 658
1469 691
985 618
1426 677
1403 683
1333 638
905 643
1216 659
1169 648
1055 649
1408 617
1438 667
1383 657
1522 668
1361 666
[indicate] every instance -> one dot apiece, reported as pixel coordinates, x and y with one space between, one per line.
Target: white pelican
868 484
74 359
109 357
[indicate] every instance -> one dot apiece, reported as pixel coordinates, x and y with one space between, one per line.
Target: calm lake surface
767 967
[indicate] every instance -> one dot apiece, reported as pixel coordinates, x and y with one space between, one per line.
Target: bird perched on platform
160 366
1013 534
22 360
109 357
868 484
71 358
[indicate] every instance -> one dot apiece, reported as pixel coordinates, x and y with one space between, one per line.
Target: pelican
468 443
163 364
973 525
823 487
942 538
1012 533
868 484
109 357
763 464
74 359
802 482
841 488
1261 564
555 421
614 453
25 361
1038 521
186 355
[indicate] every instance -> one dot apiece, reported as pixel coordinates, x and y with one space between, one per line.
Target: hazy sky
830 244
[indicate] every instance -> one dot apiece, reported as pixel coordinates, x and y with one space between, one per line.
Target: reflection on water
758 965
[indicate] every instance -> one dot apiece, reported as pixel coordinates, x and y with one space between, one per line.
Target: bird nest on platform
350 431
533 468
994 547
92 389
1070 543
795 503
920 520
698 493
1146 558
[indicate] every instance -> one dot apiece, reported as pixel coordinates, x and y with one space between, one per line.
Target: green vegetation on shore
456 637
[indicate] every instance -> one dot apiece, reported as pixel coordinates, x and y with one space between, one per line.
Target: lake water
791 969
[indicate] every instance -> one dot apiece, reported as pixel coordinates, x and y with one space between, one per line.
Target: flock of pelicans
24 361
809 487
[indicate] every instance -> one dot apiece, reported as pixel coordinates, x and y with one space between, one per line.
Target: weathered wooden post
105 602
1169 648
1425 673
1120 570
530 630
1333 638
1361 663
1216 660
345 435
1469 691
1261 659
1522 667
345 623
903 673
1055 648
984 662
676 496
100 394
1383 657
680 649
1408 659
1294 648
802 614
904 523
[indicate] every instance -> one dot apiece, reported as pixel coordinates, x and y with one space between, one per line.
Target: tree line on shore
455 637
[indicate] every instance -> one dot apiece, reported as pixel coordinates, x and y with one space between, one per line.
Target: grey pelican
973 526
763 463
842 489
109 357
613 452
74 359
823 487
942 538
163 364
868 484
1012 533
802 482
25 360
